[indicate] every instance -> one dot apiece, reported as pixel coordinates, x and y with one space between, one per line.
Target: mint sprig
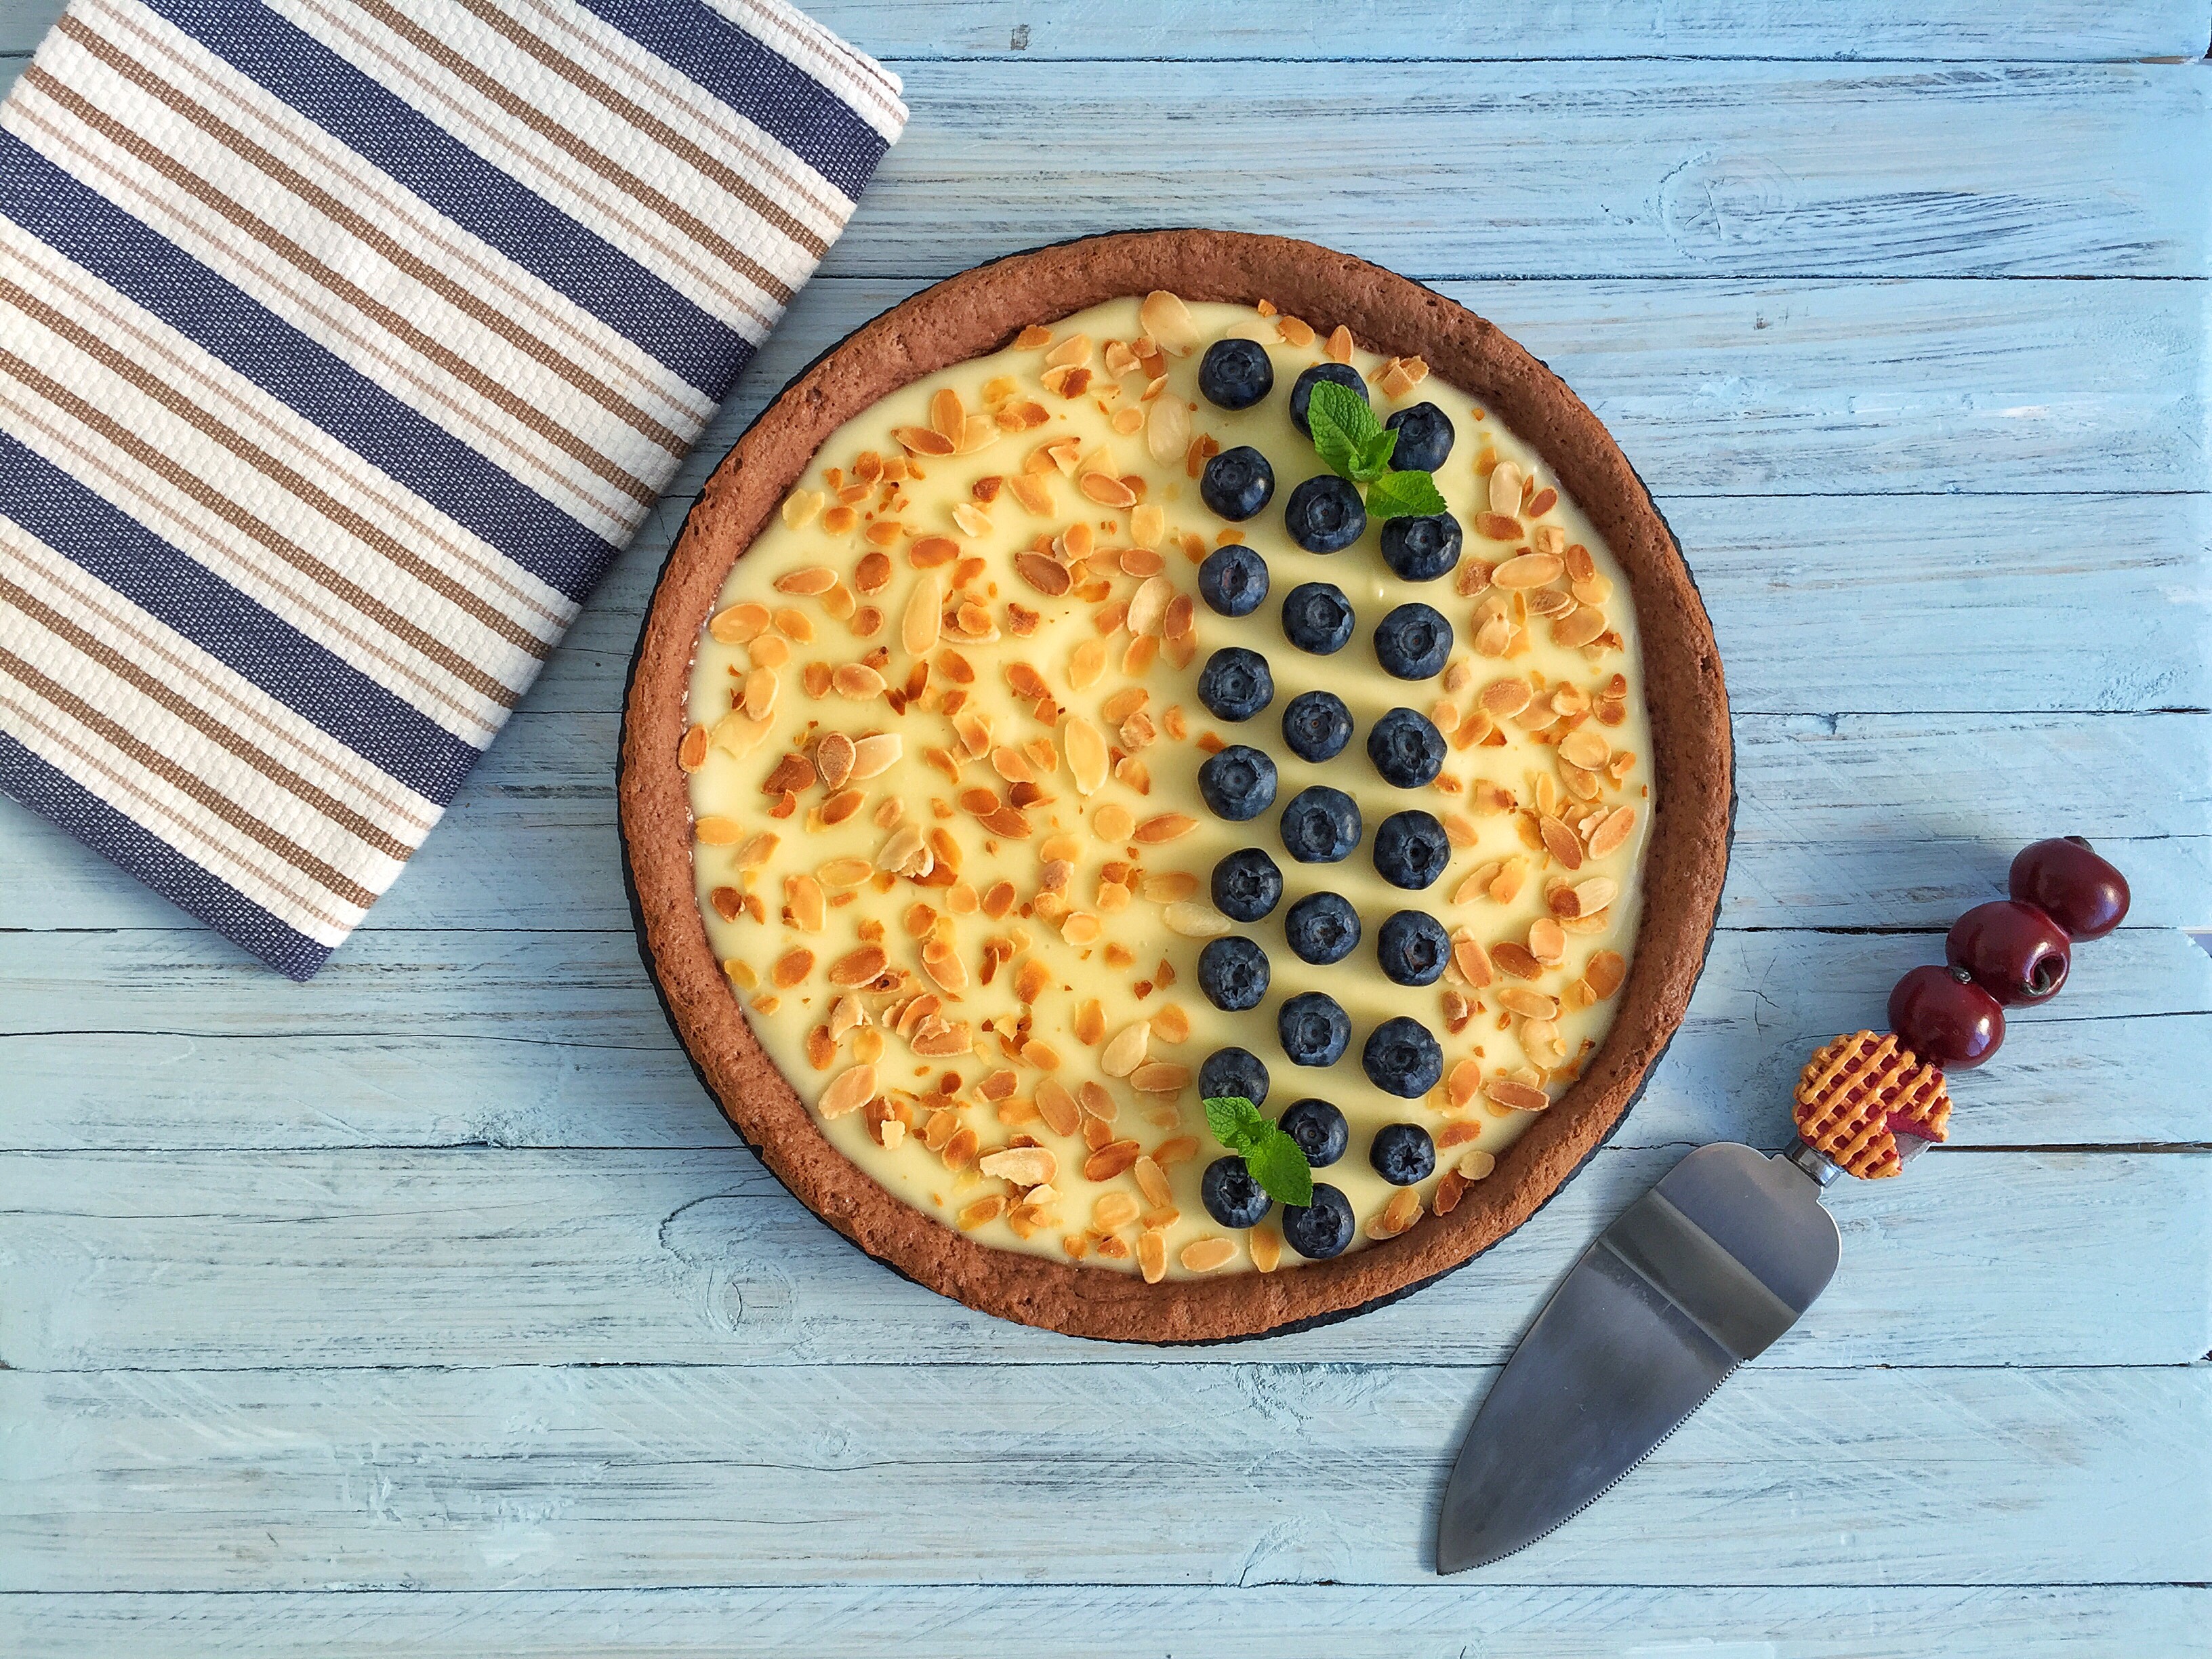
1275 1161
1357 448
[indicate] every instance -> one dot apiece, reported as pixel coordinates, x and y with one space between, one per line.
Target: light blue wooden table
429 1309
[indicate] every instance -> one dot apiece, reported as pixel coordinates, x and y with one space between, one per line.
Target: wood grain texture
627 1475
2037 30
530 842
1450 1620
168 1040
1781 387
220 1261
430 1309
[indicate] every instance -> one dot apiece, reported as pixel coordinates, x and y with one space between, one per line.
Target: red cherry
1945 1019
2083 893
2015 951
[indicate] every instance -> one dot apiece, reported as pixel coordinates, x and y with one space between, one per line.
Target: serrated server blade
1702 1273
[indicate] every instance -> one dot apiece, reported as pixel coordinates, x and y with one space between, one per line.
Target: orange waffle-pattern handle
1858 1093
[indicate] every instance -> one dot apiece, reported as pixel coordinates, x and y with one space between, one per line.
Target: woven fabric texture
343 344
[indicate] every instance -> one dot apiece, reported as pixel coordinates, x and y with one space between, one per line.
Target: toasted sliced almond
1473 961
1560 843
1153 1254
1194 920
1159 1077
1167 431
1113 1210
1168 321
1164 827
1583 628
1047 575
1106 490
739 624
692 753
1595 895
922 622
875 754
1605 972
1112 1159
849 1090
1126 1051
859 967
1520 1096
1530 1005
1267 1247
857 681
1539 1041
1203 1255
1505 487
1152 1182
1504 698
1148 607
1160 887
1548 941
1610 835
1086 754
1025 1166
714 831
1528 570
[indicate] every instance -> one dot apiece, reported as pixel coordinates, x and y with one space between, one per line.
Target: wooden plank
624 1476
1825 605
479 1258
1692 168
2045 30
531 841
172 1039
1097 1621
1776 387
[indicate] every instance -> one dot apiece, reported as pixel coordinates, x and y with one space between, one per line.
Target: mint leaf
1403 495
1235 1121
1347 437
1375 456
1279 1164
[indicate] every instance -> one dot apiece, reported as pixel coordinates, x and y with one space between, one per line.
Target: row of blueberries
1324 514
1322 826
1402 1153
1413 642
1322 928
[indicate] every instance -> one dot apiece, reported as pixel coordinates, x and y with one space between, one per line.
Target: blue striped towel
343 344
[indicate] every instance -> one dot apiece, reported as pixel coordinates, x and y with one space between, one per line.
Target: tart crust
980 312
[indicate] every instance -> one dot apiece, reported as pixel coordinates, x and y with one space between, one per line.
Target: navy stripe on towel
54 795
306 678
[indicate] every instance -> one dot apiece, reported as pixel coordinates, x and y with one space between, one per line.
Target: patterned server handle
1867 1103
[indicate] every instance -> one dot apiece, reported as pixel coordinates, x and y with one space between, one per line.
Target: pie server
1701 1273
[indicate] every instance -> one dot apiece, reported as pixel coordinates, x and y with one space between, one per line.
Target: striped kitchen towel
343 344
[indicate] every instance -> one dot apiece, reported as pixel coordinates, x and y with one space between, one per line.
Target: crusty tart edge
980 312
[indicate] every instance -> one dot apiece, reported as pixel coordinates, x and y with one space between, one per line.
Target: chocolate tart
980 313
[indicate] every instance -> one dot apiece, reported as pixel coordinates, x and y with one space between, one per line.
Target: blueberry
1235 374
1320 1130
1402 1059
1246 886
1322 928
1238 483
1325 514
1231 1197
1419 550
1317 617
1235 683
1402 1153
1425 437
1239 782
1233 579
1233 973
1411 850
1412 641
1320 1230
1314 1030
1413 948
1407 749
1321 825
1237 1071
1316 725
1302 392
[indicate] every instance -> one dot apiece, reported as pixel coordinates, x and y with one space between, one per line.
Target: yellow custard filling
950 847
